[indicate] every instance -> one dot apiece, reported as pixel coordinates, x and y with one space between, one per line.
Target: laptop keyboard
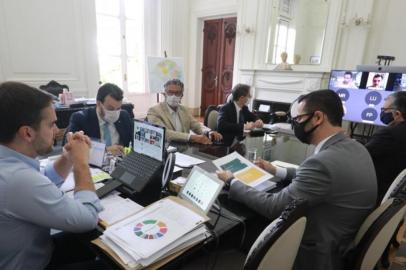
139 165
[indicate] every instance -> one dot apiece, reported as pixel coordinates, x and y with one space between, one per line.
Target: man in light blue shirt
31 202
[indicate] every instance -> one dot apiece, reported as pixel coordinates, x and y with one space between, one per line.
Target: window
120 41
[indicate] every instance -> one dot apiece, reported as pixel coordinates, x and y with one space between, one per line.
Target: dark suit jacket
388 151
228 125
340 185
87 121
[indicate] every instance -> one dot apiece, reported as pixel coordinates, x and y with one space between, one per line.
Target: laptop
144 163
201 189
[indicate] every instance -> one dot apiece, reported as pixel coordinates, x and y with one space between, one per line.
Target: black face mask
386 117
300 133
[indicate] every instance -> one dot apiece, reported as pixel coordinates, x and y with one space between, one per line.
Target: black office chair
54 88
276 247
374 241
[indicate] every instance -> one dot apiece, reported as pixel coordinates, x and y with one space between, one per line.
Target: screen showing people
149 139
363 93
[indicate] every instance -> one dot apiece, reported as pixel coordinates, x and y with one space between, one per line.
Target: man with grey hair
388 145
177 119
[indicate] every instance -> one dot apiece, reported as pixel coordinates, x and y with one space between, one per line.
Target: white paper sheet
153 228
183 160
117 208
245 171
97 176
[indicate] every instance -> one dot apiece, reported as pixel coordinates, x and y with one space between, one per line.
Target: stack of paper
245 171
161 229
116 208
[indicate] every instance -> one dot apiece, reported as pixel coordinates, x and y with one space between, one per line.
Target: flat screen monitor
149 139
363 93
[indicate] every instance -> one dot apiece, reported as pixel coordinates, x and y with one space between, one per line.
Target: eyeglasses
178 94
297 117
386 109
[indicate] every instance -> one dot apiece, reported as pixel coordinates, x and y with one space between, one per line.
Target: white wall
56 39
387 34
49 39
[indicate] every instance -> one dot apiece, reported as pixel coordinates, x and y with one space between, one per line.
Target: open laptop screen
149 139
201 188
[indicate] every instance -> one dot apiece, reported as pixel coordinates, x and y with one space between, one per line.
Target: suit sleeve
312 183
381 143
154 117
225 125
195 125
75 122
249 116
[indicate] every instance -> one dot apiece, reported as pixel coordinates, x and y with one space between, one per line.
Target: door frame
196 50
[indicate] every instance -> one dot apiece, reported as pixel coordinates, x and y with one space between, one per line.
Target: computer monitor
149 139
201 189
363 93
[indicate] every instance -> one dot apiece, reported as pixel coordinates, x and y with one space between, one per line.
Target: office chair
373 242
396 190
210 116
276 247
398 186
54 88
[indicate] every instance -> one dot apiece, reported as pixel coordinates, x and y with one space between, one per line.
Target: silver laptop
201 189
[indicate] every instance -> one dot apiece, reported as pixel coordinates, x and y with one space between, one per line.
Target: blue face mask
386 117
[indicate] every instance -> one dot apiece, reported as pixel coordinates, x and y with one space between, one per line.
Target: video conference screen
363 93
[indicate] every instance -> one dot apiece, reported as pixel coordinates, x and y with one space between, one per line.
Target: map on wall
161 69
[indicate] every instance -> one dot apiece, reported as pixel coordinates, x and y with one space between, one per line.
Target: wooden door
218 61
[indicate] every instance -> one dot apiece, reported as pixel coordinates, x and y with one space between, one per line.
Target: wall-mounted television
363 93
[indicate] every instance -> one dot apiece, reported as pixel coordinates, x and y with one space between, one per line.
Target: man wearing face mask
234 117
338 181
107 121
388 145
177 119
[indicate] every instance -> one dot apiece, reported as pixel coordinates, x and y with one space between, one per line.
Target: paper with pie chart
154 228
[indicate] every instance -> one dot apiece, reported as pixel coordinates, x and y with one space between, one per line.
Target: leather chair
375 239
276 247
210 116
54 88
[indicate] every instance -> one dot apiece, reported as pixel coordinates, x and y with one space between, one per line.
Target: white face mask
173 101
111 116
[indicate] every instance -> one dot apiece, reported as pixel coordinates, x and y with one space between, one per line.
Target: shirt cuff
88 197
281 172
51 173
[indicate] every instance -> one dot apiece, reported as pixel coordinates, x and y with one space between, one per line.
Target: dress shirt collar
8 152
237 107
101 120
171 111
320 144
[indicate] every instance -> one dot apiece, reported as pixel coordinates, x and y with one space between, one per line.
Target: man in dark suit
234 117
338 181
107 121
388 145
